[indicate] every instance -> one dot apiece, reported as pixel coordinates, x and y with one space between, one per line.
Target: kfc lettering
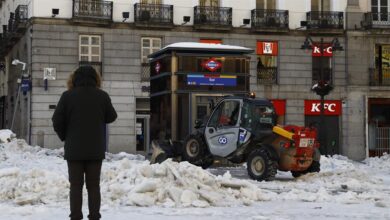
331 107
327 52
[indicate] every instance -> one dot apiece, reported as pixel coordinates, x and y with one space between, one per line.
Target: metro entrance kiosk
186 77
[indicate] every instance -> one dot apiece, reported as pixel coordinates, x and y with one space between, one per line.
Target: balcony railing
376 20
325 20
14 30
379 77
265 18
218 17
153 14
267 75
89 9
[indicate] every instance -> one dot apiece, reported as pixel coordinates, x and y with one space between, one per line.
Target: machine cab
235 120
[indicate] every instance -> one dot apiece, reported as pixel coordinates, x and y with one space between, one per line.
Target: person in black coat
80 120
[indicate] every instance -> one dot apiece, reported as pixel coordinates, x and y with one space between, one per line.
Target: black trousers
91 169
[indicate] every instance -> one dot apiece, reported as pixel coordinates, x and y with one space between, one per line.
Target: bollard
41 138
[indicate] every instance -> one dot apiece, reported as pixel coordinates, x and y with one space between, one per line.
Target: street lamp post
323 87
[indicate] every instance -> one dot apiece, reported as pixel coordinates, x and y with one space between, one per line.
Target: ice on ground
35 175
6 136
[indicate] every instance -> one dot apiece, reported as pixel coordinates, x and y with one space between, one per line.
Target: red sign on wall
332 107
280 106
327 50
211 41
267 48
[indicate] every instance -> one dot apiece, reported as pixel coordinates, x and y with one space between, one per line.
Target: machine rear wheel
195 152
314 168
260 166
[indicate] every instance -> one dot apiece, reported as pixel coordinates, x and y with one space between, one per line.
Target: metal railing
145 72
379 140
12 32
100 10
267 75
153 13
218 16
379 77
325 20
266 18
377 19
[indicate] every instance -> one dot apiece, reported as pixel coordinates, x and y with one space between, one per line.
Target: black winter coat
80 119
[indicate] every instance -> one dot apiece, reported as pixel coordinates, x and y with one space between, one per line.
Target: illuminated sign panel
211 80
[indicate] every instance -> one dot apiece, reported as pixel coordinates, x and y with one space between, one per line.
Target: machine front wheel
195 152
260 166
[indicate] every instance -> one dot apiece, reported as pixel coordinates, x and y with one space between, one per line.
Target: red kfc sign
327 50
267 48
331 107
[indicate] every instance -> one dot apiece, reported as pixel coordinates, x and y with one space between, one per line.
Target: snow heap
34 175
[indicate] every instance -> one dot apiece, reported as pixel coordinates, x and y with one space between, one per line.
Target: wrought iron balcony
145 72
269 19
212 17
92 10
153 14
267 75
379 77
325 20
15 29
376 20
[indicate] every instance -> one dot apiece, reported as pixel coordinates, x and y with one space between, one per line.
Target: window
380 10
267 62
326 69
316 5
226 115
90 51
154 2
382 65
265 4
149 46
209 3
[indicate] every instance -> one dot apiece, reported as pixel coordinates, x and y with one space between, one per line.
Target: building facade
54 37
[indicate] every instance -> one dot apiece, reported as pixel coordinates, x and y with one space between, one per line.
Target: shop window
326 69
149 45
381 75
267 62
90 51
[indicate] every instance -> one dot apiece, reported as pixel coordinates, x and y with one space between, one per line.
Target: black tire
313 168
260 166
195 152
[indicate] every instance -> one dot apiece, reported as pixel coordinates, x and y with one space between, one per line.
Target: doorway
332 133
142 133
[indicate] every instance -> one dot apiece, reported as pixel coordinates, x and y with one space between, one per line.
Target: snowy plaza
34 185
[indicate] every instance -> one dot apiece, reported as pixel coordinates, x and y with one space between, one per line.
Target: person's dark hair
85 76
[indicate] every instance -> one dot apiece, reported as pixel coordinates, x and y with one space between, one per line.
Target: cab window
254 117
226 114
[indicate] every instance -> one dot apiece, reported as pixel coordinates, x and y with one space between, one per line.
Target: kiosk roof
194 47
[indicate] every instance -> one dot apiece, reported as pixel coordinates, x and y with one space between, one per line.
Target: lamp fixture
125 15
16 62
55 12
186 19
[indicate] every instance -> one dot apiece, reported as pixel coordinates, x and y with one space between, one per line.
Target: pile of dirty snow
34 175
